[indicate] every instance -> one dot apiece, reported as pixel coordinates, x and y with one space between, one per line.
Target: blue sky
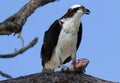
100 43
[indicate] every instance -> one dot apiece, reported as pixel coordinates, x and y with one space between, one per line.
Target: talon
64 69
74 65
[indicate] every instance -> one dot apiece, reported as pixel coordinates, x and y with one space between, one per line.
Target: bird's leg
63 68
74 61
19 36
44 70
58 53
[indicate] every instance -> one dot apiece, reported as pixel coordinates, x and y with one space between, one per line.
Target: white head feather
75 6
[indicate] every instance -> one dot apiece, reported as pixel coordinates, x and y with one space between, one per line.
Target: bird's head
79 9
76 10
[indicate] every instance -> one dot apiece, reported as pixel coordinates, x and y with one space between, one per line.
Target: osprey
62 39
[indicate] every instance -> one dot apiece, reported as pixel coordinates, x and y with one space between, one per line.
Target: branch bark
57 77
15 23
31 44
5 75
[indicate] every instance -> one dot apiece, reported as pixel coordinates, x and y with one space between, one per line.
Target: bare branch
5 75
31 44
15 23
57 77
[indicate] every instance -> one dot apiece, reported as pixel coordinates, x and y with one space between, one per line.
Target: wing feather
50 41
79 38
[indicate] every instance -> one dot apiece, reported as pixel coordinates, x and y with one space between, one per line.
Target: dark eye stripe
71 12
82 7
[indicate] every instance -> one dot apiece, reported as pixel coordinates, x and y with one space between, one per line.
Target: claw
64 69
74 65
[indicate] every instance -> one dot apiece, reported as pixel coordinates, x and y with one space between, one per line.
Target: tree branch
15 23
57 77
31 44
5 75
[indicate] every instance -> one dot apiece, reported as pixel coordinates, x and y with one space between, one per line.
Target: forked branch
5 75
14 23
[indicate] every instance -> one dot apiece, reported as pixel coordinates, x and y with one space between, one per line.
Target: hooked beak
86 11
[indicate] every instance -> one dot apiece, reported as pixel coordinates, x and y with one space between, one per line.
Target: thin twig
5 75
21 38
31 44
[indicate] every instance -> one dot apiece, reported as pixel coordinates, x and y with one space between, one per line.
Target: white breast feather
68 38
66 42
